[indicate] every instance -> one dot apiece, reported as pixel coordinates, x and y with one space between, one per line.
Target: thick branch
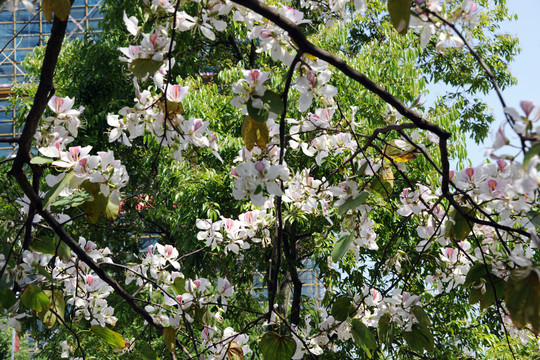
43 93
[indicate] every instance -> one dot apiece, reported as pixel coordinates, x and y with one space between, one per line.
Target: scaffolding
20 33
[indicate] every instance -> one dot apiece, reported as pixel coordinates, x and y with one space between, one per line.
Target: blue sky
525 68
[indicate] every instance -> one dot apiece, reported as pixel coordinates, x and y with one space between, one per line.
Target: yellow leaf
235 351
62 9
254 132
47 6
311 57
400 151
169 338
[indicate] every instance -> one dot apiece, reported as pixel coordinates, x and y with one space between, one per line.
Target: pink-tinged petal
75 150
265 34
255 75
501 164
492 184
198 123
260 166
312 77
470 173
527 106
176 93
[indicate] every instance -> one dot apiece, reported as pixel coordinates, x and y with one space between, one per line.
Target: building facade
20 33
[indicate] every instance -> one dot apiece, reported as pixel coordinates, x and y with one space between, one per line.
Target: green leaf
35 299
53 193
273 102
277 347
99 204
341 247
146 351
363 336
61 9
259 115
421 316
57 305
179 285
485 287
476 272
49 245
44 244
7 299
400 14
110 336
43 271
142 67
73 200
353 203
534 150
534 217
458 227
169 338
522 297
420 338
38 160
386 329
383 183
342 308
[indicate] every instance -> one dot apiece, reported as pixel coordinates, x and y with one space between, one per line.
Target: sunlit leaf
38 160
35 299
73 200
341 247
48 317
179 285
420 315
53 193
112 337
400 151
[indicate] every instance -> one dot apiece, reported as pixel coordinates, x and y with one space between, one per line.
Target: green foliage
277 347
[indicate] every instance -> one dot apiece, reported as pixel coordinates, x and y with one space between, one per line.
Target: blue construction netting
34 31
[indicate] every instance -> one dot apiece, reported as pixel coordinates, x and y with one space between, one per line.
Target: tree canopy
182 173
